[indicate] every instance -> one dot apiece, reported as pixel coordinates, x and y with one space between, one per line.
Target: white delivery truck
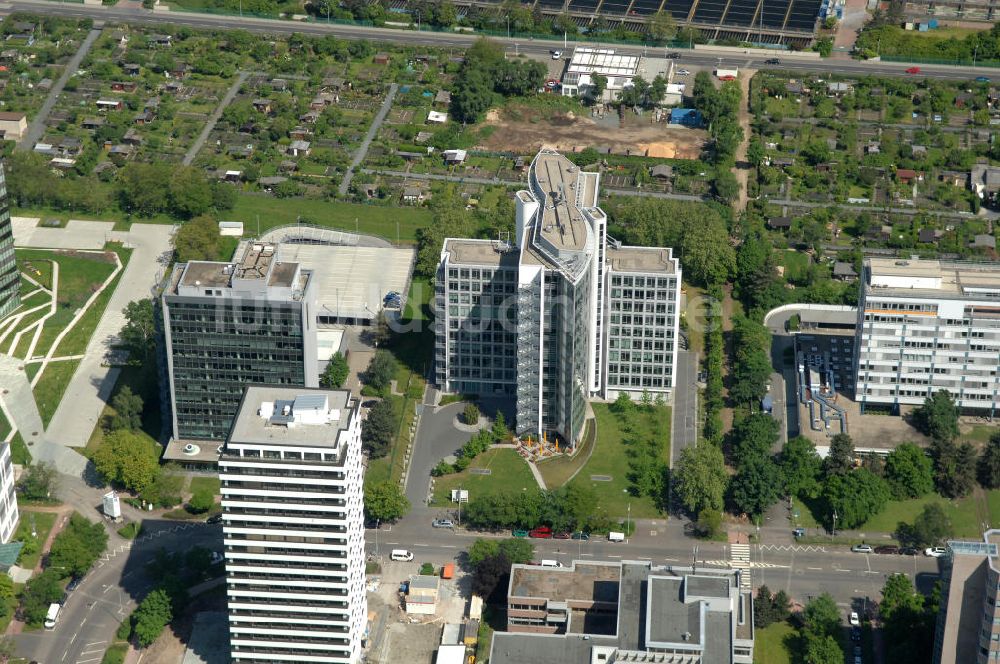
52 616
616 536
401 555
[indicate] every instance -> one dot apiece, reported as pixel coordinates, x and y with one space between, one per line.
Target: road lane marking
421 545
672 560
392 542
587 554
97 643
448 546
841 570
92 659
613 555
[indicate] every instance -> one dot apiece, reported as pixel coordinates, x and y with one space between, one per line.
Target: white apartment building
928 325
560 314
8 497
294 527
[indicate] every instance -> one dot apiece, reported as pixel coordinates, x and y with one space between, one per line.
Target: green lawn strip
350 217
610 459
508 473
19 453
51 386
774 644
43 525
557 471
5 426
796 264
211 484
39 270
980 433
79 276
9 606
76 340
115 654
993 502
962 513
378 471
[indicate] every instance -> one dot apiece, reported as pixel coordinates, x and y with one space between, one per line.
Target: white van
551 563
52 615
402 555
616 537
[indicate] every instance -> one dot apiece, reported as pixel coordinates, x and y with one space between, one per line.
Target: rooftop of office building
656 607
292 416
566 190
641 259
257 263
480 252
916 277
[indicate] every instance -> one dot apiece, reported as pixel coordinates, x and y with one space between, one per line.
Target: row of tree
486 76
74 551
574 507
477 444
720 109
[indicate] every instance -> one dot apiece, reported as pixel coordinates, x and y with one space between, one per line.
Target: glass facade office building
227 326
537 319
10 280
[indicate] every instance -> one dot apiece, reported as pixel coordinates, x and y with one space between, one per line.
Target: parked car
683 72
520 533
580 536
888 549
799 532
556 55
541 532
673 56
772 61
908 551
935 551
216 557
913 70
217 518
74 583
862 548
854 619
561 536
443 523
855 634
982 79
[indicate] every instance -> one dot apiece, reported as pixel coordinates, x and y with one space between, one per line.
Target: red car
913 70
542 532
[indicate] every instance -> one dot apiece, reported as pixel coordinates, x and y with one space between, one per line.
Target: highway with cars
725 58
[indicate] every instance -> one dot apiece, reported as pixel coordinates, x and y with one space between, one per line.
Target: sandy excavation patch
524 131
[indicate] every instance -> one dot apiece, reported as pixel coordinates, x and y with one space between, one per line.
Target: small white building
231 228
422 594
436 117
619 70
454 156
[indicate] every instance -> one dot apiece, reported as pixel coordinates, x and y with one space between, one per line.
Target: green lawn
43 525
367 219
50 387
980 433
76 340
610 458
993 502
211 484
773 644
509 473
19 453
796 264
962 513
557 471
79 276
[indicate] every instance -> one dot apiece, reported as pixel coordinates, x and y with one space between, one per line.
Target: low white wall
771 52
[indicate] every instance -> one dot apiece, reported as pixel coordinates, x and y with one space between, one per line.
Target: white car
854 619
683 72
935 551
556 55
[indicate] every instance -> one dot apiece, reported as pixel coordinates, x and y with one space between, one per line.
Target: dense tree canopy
855 497
756 486
379 428
129 459
800 467
385 502
938 417
909 471
700 478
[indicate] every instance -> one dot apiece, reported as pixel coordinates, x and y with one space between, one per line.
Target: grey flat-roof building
229 325
968 625
927 325
10 280
561 313
293 527
630 611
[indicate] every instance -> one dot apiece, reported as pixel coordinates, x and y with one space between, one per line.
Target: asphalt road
437 437
88 621
706 58
685 413
802 571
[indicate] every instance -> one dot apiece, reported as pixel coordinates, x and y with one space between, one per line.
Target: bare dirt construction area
521 129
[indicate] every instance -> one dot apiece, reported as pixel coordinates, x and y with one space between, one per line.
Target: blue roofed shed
689 117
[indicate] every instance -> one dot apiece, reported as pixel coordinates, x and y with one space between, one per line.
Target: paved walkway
192 152
18 402
359 156
37 126
91 385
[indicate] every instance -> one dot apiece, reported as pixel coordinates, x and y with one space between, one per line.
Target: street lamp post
834 523
377 524
628 518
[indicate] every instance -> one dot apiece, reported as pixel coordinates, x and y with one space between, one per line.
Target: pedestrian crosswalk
739 555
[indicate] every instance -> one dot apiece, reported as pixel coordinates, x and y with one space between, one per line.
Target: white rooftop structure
618 69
